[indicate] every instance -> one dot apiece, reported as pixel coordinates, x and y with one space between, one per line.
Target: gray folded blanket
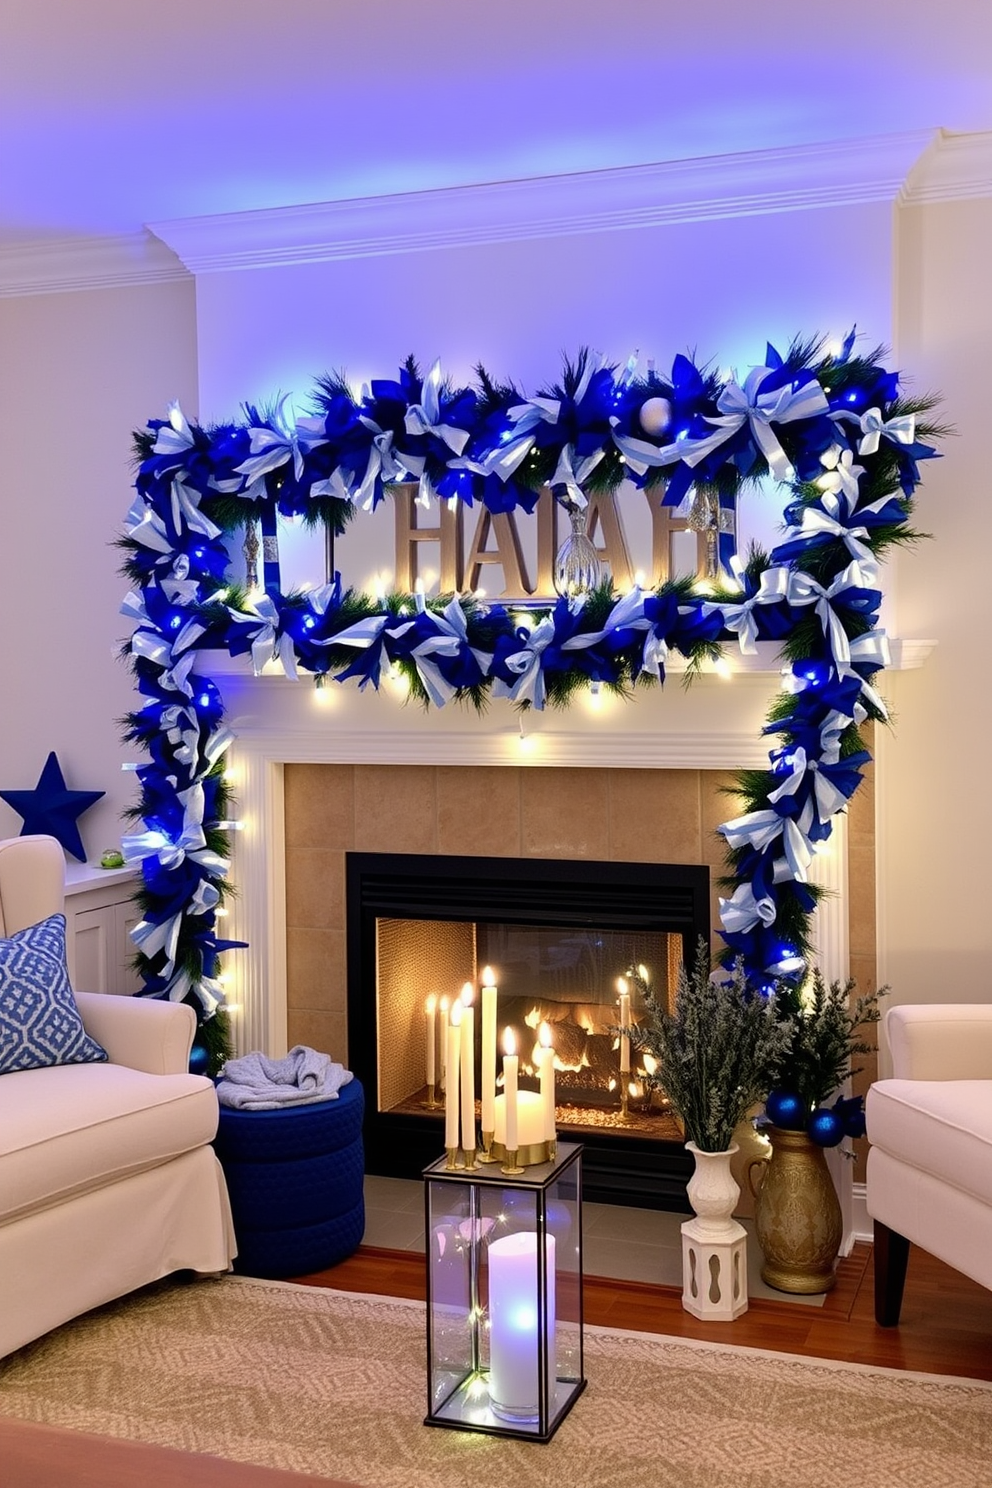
257 1083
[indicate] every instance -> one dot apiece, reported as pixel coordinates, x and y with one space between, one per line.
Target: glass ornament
577 570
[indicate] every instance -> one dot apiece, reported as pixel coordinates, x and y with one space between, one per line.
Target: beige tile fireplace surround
602 814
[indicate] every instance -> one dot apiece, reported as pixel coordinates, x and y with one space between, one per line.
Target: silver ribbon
208 992
266 644
516 444
382 465
361 635
425 417
186 506
151 938
642 456
627 612
174 438
571 474
749 405
146 527
273 445
743 910
526 666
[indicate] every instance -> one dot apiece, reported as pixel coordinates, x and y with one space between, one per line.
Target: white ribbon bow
759 829
825 520
749 405
266 645
874 428
773 585
829 800
526 666
803 589
571 475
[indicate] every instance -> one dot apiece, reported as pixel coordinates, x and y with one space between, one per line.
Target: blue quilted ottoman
295 1180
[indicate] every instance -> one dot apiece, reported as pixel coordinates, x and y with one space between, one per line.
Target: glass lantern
504 1296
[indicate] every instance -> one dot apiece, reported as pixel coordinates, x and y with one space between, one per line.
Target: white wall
935 807
78 372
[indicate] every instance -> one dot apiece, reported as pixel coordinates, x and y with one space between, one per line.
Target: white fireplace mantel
715 724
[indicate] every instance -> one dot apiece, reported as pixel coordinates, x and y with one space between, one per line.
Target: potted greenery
715 1053
797 1213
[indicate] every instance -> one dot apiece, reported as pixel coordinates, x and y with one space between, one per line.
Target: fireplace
558 934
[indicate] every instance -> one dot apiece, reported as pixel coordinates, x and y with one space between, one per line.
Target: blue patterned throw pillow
39 1020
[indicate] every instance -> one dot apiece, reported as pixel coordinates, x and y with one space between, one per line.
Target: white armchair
929 1180
107 1177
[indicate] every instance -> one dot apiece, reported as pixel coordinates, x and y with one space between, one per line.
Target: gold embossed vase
797 1214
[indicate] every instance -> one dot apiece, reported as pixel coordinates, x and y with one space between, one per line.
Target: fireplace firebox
558 935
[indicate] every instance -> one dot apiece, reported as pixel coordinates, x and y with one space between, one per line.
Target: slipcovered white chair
929 1180
107 1177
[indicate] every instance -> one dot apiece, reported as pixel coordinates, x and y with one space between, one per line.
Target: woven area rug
334 1384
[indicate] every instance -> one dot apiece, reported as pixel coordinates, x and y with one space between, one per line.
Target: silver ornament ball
655 415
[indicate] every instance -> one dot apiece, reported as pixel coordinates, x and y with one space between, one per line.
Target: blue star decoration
51 808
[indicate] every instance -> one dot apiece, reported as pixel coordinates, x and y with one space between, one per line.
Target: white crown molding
60 265
955 167
718 186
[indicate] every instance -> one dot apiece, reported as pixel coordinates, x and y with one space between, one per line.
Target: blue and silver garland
833 426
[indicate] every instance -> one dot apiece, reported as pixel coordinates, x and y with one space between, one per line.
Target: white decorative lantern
504 1296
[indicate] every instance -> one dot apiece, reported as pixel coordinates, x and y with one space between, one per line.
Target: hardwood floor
946 1328
946 1325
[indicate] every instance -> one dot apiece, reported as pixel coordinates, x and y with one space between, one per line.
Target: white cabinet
99 913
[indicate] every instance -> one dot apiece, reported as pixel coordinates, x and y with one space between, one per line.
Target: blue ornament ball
786 1109
826 1127
199 1059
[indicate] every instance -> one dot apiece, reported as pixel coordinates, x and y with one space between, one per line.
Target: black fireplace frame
652 896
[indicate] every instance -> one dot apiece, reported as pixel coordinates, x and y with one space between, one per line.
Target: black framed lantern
504 1296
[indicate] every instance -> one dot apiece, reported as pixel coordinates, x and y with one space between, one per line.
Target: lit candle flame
509 1042
467 994
431 1004
544 1035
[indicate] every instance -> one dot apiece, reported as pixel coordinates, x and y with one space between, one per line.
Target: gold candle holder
469 1157
486 1155
552 1148
624 1101
451 1153
432 1100
511 1166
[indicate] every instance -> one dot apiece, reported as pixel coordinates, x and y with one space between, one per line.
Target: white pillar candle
529 1108
624 991
515 1321
488 1048
443 1007
547 1081
454 1032
430 1007
509 1091
467 1068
